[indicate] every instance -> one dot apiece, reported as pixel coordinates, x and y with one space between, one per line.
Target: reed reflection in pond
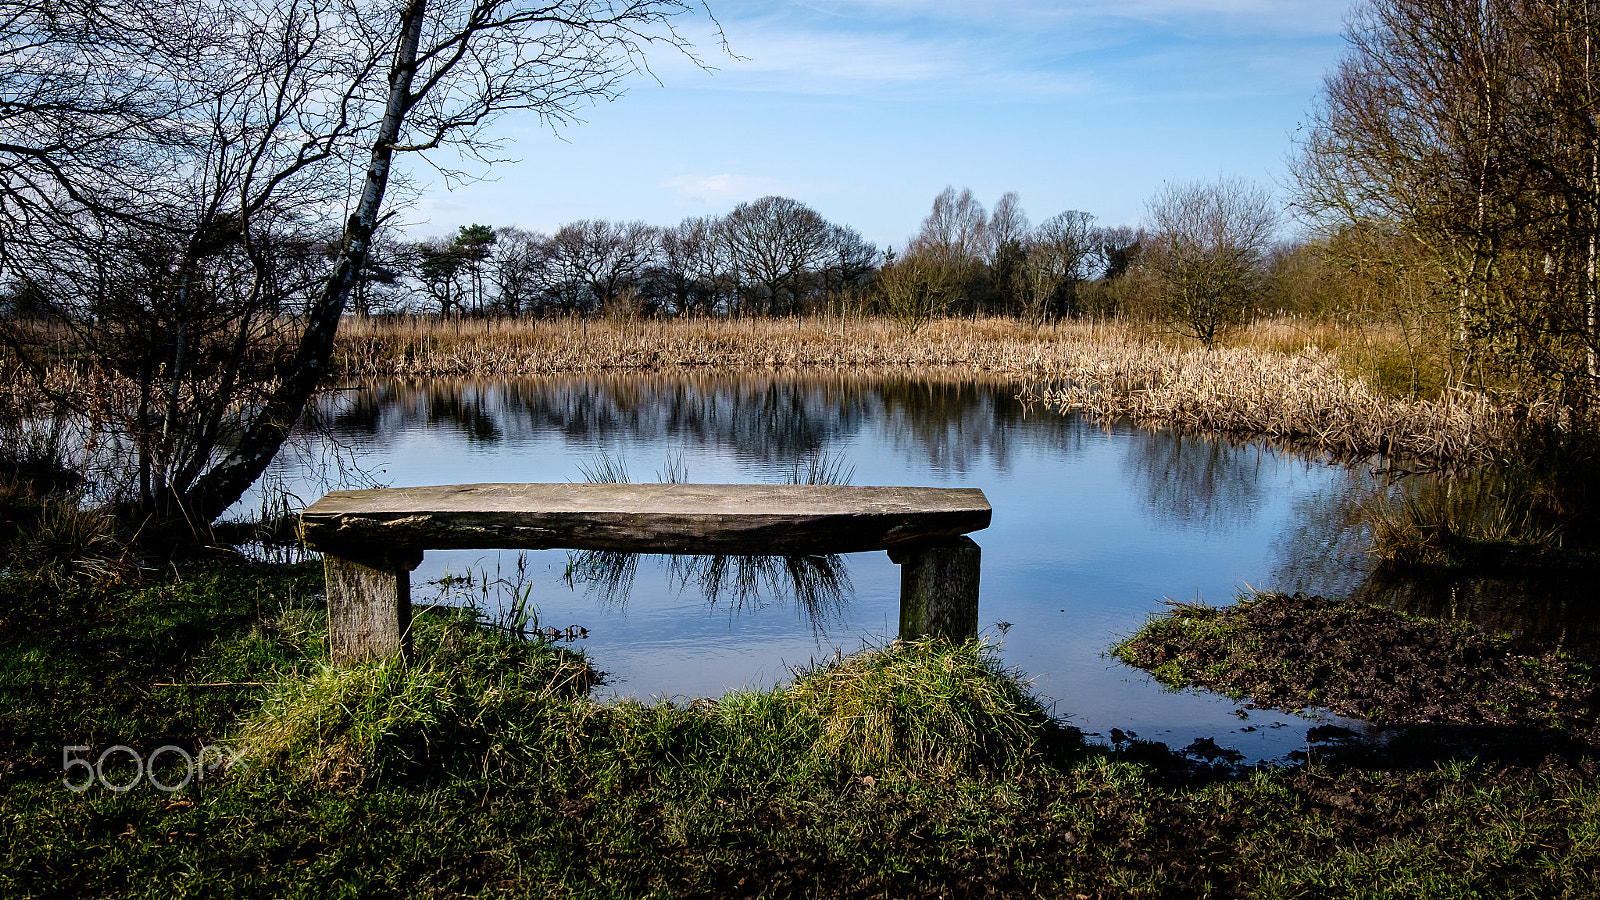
819 583
1327 552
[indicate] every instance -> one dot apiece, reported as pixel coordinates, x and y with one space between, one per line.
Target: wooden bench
372 539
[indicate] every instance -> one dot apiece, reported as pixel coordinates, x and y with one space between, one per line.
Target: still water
1093 527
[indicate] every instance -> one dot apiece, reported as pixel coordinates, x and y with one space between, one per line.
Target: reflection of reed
819 584
608 573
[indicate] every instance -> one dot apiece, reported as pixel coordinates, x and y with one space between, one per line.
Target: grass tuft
70 544
920 707
463 704
1538 507
1464 523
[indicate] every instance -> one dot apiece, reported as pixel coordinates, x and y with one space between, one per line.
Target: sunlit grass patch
468 698
924 706
477 703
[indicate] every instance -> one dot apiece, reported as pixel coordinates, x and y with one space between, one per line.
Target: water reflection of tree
954 425
767 419
1540 612
1325 550
1197 482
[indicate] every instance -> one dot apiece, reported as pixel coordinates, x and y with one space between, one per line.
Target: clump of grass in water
821 468
1472 522
473 591
604 469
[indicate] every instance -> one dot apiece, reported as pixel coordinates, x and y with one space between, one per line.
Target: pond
1094 528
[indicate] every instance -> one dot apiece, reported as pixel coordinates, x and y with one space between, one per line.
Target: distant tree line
772 256
1202 263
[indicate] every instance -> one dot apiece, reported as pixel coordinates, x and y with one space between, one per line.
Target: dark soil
1290 652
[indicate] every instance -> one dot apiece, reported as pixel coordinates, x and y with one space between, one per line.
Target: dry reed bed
1108 371
430 348
1300 399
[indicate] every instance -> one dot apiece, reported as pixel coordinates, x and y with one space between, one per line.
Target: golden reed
1273 381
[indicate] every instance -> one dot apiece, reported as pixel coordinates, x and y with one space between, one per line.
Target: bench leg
939 589
369 605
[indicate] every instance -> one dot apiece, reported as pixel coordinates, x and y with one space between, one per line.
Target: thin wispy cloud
1274 16
724 188
843 58
1130 49
865 109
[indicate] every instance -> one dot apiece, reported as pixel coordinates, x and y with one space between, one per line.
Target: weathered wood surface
757 519
939 589
369 606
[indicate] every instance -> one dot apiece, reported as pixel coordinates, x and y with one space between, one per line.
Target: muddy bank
1290 652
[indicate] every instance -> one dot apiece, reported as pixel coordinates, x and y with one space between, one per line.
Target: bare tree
955 229
778 247
851 260
1008 224
916 288
205 137
1006 239
691 270
593 262
1056 258
1207 245
517 269
955 235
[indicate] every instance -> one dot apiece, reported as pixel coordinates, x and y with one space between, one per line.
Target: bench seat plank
756 519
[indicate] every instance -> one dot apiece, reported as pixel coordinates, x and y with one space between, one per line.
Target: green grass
1472 523
484 770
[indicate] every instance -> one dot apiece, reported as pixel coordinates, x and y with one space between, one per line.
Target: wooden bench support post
939 589
369 604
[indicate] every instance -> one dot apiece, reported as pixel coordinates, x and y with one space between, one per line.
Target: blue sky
866 109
